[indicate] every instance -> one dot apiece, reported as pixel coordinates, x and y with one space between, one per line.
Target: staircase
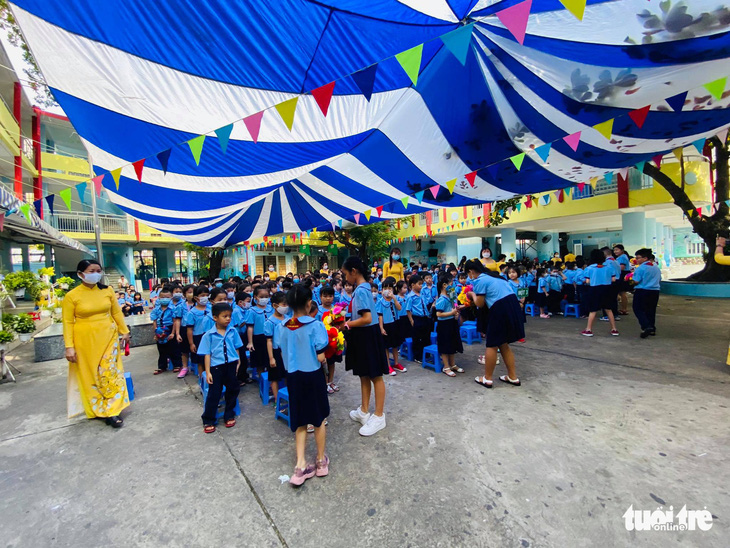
111 277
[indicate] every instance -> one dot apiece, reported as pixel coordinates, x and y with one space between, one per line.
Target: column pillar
451 250
26 257
18 179
659 251
668 245
6 257
633 226
38 180
650 231
509 243
48 253
546 250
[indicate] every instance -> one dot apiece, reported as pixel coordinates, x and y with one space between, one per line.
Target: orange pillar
17 95
37 181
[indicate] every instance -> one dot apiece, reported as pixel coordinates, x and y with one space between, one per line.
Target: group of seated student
131 301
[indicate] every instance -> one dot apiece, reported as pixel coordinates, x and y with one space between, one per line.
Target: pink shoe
300 476
323 467
392 372
544 315
183 372
586 333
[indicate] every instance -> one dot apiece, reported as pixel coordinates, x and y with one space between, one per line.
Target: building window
477 210
422 218
695 248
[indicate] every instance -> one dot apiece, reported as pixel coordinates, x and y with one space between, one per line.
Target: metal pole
97 228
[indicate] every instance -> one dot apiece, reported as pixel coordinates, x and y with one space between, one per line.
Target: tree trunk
216 261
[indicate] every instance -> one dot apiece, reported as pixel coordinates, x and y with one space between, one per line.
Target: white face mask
263 301
283 310
387 293
486 255
91 277
203 300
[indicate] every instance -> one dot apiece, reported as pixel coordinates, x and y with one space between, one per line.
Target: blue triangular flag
609 177
365 80
457 42
419 196
727 203
543 151
223 133
493 170
677 101
38 204
164 157
339 223
49 200
640 166
518 207
81 189
699 144
567 190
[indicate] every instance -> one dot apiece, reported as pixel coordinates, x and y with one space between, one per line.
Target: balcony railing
84 223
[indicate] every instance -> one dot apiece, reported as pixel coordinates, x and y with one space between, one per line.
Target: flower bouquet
463 297
333 321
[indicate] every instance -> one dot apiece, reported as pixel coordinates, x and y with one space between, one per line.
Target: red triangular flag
253 125
379 209
138 167
581 186
658 160
471 177
323 96
97 183
639 115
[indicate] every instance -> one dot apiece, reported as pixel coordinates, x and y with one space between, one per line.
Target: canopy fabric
138 78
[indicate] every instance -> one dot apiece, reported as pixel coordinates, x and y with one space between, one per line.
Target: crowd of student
273 323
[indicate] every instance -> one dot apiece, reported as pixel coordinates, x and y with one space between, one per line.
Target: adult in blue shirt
647 278
622 259
504 324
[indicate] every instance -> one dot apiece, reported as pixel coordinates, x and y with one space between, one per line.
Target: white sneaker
375 424
358 416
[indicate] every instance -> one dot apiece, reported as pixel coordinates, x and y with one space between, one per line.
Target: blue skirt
505 324
447 337
365 355
308 401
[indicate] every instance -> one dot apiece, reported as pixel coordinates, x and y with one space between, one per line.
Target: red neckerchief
649 263
599 266
294 324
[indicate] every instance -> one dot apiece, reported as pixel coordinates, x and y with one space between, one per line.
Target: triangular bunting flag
196 147
435 190
678 153
419 196
223 134
410 60
605 128
25 210
339 223
699 144
543 151
518 206
379 210
546 199
97 184
640 166
727 203
557 193
493 170
450 185
573 140
528 203
517 160
357 218
576 7
116 174
286 110
365 80
624 171
367 214
404 200
163 157
722 135
515 19
457 42
49 200
676 102
471 177
253 125
65 195
658 160
38 205
639 115
561 196
581 186
138 167
81 189
567 190
716 87
323 96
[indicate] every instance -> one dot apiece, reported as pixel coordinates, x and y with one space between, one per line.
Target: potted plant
20 282
8 321
65 284
24 326
5 338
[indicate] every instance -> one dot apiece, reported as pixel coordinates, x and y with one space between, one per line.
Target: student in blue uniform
518 285
163 321
429 290
418 317
178 312
326 297
257 316
622 259
219 346
302 342
243 302
404 324
504 324
387 308
365 355
275 367
543 290
610 261
647 277
555 292
581 289
447 328
601 295
138 305
198 320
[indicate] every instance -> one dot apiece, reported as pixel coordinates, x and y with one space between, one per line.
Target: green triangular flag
716 87
404 199
65 195
286 110
25 210
410 60
196 147
517 160
223 134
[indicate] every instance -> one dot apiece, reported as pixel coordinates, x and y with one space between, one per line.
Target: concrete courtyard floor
598 425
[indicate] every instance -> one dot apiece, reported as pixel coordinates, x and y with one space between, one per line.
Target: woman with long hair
92 324
393 266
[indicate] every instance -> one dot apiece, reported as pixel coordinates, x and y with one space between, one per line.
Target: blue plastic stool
204 388
469 334
408 352
572 310
469 322
264 387
431 358
193 367
130 385
434 337
531 309
282 409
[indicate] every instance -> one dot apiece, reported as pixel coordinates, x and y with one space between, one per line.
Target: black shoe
652 332
644 334
115 421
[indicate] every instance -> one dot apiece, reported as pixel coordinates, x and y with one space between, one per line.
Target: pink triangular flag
581 186
253 125
624 171
515 19
97 183
658 160
722 135
434 190
357 218
573 140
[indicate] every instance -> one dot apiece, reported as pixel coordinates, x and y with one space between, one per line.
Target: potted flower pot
45 313
3 347
58 310
24 337
20 293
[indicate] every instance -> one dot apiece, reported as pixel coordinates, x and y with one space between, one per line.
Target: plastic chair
264 388
221 404
531 309
408 352
130 385
469 334
572 310
434 337
282 409
431 358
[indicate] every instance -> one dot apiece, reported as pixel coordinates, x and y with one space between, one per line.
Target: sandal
457 369
448 371
158 371
230 423
484 382
209 429
515 382
481 360
330 390
115 421
176 369
335 387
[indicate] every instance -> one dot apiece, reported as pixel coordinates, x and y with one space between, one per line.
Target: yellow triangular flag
450 185
286 110
678 153
367 214
605 128
116 174
594 182
576 7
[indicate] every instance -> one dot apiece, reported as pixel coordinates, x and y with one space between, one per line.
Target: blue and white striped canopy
138 77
